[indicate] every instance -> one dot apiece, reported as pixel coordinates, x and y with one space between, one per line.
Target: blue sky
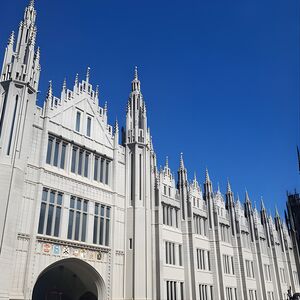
220 78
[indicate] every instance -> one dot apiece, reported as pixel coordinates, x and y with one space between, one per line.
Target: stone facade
74 198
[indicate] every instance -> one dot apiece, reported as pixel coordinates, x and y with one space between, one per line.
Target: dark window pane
80 162
88 126
107 232
78 115
107 173
45 194
52 197
95 230
59 199
102 170
86 165
70 226
108 212
72 202
96 168
56 150
83 229
96 208
49 150
57 221
102 210
78 206
63 156
42 218
77 226
73 166
85 206
101 231
49 220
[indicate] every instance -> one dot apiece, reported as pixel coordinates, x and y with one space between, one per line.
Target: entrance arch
69 279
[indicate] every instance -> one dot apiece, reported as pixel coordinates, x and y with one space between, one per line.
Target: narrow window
96 165
102 170
73 165
88 126
78 117
130 244
86 165
63 156
107 172
12 125
2 113
49 150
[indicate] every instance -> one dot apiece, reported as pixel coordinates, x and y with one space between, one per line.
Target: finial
116 126
181 161
247 199
262 203
31 3
238 198
136 73
218 190
38 53
88 74
97 90
64 87
76 79
276 212
228 186
195 176
167 162
207 179
105 107
11 39
50 91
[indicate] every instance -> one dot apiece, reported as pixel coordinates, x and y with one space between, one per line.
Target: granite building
86 214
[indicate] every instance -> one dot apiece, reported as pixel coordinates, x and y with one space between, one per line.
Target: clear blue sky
220 78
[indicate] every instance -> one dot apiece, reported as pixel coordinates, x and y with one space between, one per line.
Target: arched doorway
69 279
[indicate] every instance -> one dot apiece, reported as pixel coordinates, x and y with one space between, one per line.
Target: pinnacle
167 162
228 187
50 91
97 90
116 126
207 179
262 203
181 161
76 79
247 196
11 39
88 74
136 73
31 3
65 84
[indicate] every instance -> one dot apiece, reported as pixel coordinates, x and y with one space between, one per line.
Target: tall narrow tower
18 90
139 171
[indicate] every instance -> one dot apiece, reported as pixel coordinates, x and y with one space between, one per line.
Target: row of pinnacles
244 214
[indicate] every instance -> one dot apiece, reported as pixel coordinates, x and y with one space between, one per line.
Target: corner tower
18 91
139 195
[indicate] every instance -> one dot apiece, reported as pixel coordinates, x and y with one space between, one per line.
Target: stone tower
18 91
140 174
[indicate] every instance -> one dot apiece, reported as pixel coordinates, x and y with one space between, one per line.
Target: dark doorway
65 281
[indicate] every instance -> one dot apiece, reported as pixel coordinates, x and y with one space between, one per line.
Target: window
267 273
170 253
270 295
80 161
78 118
102 225
102 169
228 264
180 254
246 240
88 126
56 152
225 233
205 292
50 213
200 225
252 295
249 269
203 259
130 244
231 293
170 215
77 219
282 275
12 125
172 290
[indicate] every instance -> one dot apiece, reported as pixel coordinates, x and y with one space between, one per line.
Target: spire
88 74
262 204
276 212
247 199
116 129
181 161
136 85
218 189
207 179
38 54
136 77
195 176
105 108
31 3
50 91
228 186
167 162
11 39
76 79
64 87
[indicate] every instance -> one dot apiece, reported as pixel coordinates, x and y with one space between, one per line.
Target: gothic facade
85 216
